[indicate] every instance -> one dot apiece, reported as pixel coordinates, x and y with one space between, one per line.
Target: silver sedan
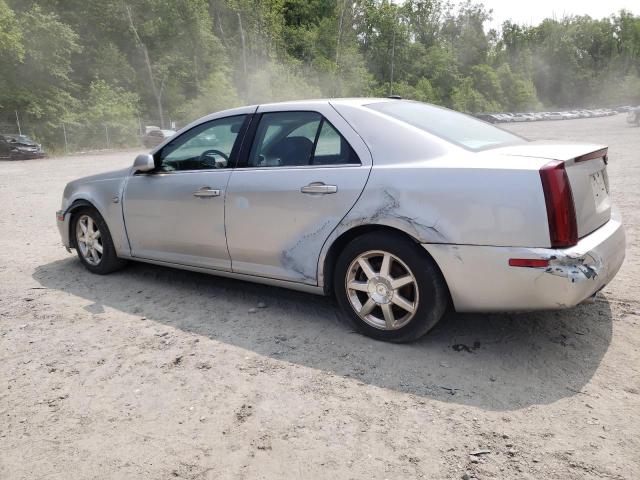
400 209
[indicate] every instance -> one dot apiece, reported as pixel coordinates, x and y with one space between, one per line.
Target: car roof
354 101
247 109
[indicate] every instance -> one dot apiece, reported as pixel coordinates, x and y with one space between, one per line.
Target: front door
303 171
176 212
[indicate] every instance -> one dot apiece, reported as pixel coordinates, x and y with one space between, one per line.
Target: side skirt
301 287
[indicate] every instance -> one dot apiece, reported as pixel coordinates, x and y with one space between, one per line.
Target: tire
413 278
88 218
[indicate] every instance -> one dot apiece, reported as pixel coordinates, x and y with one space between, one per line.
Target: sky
532 12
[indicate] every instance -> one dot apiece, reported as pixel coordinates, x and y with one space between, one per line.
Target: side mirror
144 163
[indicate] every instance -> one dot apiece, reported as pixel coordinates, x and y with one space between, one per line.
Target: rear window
449 125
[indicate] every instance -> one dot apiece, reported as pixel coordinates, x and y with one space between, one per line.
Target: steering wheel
207 154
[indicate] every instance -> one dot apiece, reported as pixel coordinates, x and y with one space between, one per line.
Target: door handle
319 187
205 192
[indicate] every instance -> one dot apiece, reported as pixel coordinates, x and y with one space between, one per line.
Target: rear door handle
206 192
319 187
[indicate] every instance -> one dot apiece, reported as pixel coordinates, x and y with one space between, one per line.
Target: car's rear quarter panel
441 193
473 211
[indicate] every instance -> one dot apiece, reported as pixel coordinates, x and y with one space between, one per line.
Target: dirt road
154 373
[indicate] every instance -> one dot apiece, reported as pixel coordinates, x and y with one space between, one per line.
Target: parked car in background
19 147
504 117
155 136
560 115
441 209
487 117
553 116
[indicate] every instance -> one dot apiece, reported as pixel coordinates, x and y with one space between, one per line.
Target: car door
176 212
295 181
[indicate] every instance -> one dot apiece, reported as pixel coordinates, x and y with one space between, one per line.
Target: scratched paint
575 268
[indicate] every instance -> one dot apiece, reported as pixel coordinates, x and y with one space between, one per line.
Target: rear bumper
480 278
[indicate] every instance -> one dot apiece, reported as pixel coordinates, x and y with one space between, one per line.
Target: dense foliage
121 63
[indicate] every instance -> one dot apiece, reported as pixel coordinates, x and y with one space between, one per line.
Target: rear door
296 180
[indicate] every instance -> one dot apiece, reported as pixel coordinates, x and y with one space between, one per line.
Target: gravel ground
155 373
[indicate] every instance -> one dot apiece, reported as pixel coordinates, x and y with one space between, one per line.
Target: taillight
561 212
528 262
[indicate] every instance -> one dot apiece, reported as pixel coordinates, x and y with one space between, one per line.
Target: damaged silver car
398 208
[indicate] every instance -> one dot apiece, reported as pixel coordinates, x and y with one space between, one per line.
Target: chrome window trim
148 174
304 167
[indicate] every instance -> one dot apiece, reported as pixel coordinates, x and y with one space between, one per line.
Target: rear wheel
93 242
389 288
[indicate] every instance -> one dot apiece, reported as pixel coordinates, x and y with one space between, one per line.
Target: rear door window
332 148
298 139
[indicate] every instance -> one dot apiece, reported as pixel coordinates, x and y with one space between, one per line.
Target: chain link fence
58 138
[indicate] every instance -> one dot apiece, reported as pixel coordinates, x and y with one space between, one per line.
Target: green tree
108 111
39 84
179 60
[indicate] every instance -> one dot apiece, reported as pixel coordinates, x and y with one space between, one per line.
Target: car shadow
492 361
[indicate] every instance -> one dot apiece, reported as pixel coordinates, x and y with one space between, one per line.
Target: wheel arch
337 246
72 209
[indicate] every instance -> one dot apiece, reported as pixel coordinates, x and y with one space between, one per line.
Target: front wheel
93 242
389 287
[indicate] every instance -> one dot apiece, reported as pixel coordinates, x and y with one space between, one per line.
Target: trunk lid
586 167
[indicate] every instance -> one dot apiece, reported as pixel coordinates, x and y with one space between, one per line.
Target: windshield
449 125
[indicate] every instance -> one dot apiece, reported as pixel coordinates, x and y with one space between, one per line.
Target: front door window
206 147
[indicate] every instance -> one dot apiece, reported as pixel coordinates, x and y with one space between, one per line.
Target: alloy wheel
382 290
89 240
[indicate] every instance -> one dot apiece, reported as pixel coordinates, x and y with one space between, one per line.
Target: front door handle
319 187
206 192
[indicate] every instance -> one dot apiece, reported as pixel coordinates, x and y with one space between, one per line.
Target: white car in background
554 116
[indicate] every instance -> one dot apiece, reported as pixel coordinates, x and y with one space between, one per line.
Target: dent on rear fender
387 209
381 207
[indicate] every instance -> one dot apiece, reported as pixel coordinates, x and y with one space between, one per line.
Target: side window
205 147
332 148
284 139
293 139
